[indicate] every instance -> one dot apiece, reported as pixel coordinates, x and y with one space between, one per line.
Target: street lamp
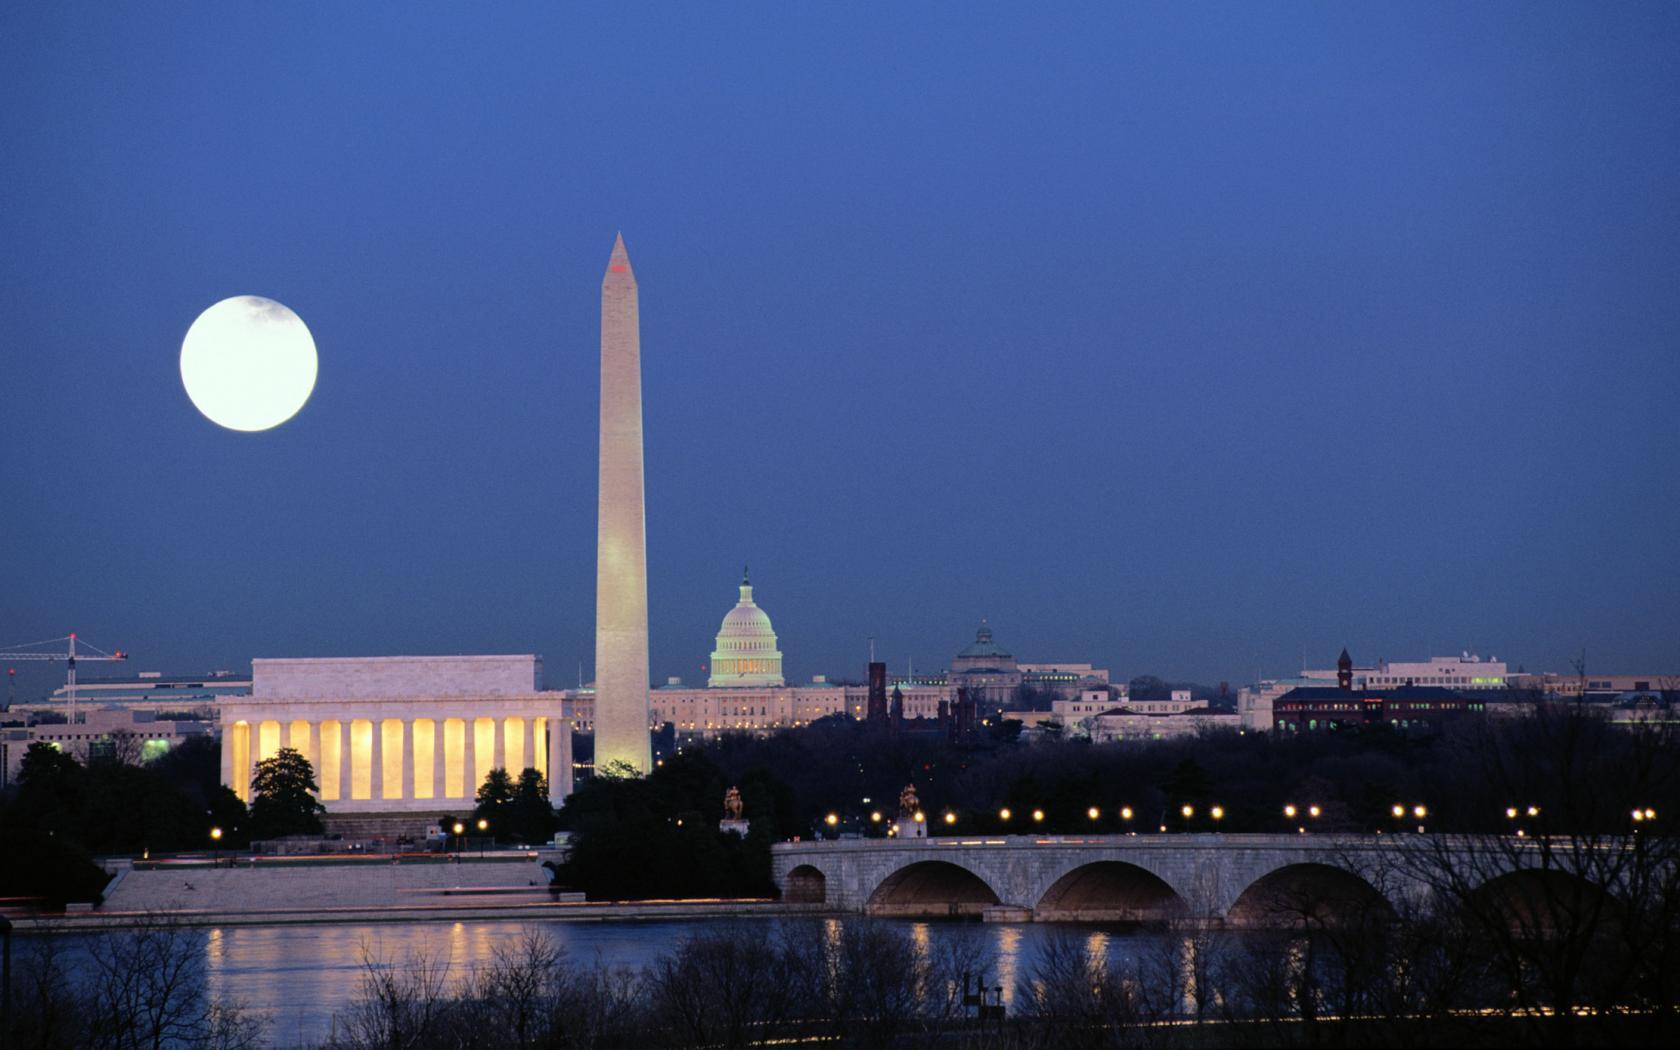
1187 811
215 847
875 816
1313 811
1093 813
483 826
832 819
1004 814
1289 811
1217 813
458 828
950 817
1125 813
1038 816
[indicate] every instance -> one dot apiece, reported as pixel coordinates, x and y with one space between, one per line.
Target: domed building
986 669
746 653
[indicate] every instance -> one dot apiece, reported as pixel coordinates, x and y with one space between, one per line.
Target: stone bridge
1238 879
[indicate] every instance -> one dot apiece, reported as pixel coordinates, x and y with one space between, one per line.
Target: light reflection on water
300 976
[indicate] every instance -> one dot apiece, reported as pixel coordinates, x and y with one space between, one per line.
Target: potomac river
300 976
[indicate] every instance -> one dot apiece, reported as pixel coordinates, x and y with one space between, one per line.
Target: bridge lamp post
1126 814
1094 813
215 847
1004 814
1188 812
950 818
1038 816
457 829
1217 813
833 821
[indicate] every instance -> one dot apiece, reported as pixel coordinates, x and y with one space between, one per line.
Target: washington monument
621 610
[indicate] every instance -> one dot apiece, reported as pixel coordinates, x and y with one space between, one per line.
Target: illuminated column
539 744
498 737
621 615
469 758
343 763
228 732
438 782
248 761
376 759
454 747
559 759
315 757
407 751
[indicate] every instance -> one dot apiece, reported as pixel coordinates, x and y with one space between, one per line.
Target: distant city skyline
1174 339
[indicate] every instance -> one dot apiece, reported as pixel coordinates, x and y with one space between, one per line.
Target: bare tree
1570 896
147 989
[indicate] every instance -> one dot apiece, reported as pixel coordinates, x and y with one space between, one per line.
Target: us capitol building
747 692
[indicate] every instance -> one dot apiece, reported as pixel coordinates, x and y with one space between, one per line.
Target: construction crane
89 653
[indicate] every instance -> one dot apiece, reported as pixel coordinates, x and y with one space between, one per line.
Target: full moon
248 363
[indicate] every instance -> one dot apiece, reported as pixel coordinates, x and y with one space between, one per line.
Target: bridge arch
929 888
1310 893
1544 901
1109 891
806 884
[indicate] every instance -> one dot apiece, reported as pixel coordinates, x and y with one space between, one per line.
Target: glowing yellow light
482 823
1420 811
1125 813
1004 814
950 818
832 819
1093 813
1510 813
1313 811
1398 811
216 833
875 816
1038 815
920 817
1187 811
459 827
1217 813
1289 811
1534 811
248 363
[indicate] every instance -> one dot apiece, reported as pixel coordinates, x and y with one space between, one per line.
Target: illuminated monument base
400 734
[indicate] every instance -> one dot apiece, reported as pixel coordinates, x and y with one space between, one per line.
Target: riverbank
365 890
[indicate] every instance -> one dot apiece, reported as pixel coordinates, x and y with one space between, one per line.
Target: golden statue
908 803
732 804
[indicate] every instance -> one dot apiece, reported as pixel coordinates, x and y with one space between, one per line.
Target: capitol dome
746 653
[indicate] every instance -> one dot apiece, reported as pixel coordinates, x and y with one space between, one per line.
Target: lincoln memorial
398 734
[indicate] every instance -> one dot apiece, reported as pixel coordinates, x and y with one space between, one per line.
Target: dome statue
746 653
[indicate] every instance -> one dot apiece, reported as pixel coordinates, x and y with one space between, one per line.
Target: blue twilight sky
1177 338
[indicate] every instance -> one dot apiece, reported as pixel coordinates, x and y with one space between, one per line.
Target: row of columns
352 756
